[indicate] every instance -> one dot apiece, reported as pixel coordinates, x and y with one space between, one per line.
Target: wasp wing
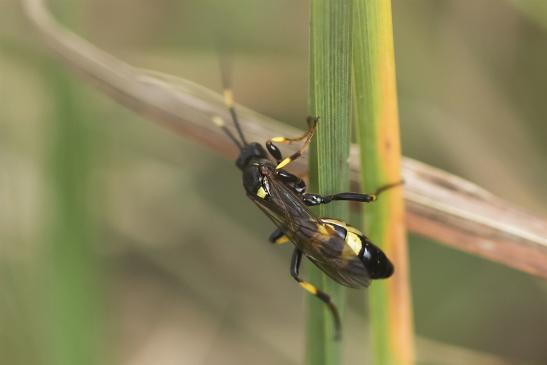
350 272
317 240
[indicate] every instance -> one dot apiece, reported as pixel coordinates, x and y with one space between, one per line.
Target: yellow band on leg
281 240
308 287
283 163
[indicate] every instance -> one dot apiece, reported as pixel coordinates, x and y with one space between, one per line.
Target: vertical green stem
330 100
71 285
378 133
71 310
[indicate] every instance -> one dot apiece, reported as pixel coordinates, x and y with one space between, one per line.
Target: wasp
340 250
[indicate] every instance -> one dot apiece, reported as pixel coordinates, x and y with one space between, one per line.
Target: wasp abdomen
356 243
376 261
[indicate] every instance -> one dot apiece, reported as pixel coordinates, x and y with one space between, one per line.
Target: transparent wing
318 241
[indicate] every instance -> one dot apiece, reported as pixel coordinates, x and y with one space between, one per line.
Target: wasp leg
274 151
293 181
316 199
312 123
278 237
306 137
296 260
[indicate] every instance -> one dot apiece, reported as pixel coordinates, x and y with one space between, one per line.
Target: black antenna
219 122
225 68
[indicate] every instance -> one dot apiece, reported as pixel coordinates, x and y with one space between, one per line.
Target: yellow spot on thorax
261 193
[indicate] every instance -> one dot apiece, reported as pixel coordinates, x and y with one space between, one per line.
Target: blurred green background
121 243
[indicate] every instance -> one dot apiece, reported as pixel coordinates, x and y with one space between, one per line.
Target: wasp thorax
252 179
255 181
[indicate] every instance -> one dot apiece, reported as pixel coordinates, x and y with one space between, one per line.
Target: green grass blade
536 10
71 281
378 134
330 99
71 277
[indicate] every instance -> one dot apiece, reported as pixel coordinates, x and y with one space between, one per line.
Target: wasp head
250 152
256 177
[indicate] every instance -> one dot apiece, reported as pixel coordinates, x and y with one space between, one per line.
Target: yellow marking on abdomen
334 221
354 230
343 225
281 240
354 242
322 229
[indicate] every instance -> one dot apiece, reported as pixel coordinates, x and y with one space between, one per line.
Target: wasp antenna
219 122
228 98
229 102
225 73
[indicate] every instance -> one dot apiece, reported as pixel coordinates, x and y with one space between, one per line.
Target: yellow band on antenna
228 98
219 122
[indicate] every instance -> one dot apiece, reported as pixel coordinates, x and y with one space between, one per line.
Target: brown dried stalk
439 205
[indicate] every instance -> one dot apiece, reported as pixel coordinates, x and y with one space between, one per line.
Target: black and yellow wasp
338 249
